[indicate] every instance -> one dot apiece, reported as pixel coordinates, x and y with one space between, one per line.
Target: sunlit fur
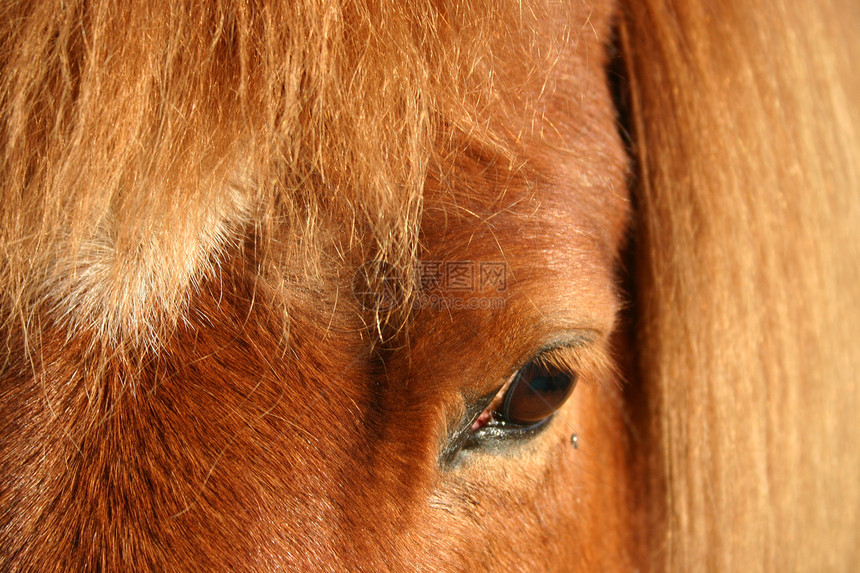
188 189
748 282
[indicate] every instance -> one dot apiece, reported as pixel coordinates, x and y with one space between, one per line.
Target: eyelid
582 354
567 358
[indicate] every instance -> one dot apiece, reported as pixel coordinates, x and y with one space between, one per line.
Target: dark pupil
536 394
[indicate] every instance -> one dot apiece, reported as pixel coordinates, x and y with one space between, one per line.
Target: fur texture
747 278
189 190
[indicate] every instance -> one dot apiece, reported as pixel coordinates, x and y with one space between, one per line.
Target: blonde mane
746 121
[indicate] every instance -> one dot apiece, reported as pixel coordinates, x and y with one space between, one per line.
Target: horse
437 285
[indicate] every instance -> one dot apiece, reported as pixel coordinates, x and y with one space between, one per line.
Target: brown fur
189 384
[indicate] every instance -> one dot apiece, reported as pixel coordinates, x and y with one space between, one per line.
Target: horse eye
535 394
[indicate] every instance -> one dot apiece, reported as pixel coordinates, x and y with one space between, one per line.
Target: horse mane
746 138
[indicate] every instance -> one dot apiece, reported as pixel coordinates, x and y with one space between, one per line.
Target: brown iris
534 394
